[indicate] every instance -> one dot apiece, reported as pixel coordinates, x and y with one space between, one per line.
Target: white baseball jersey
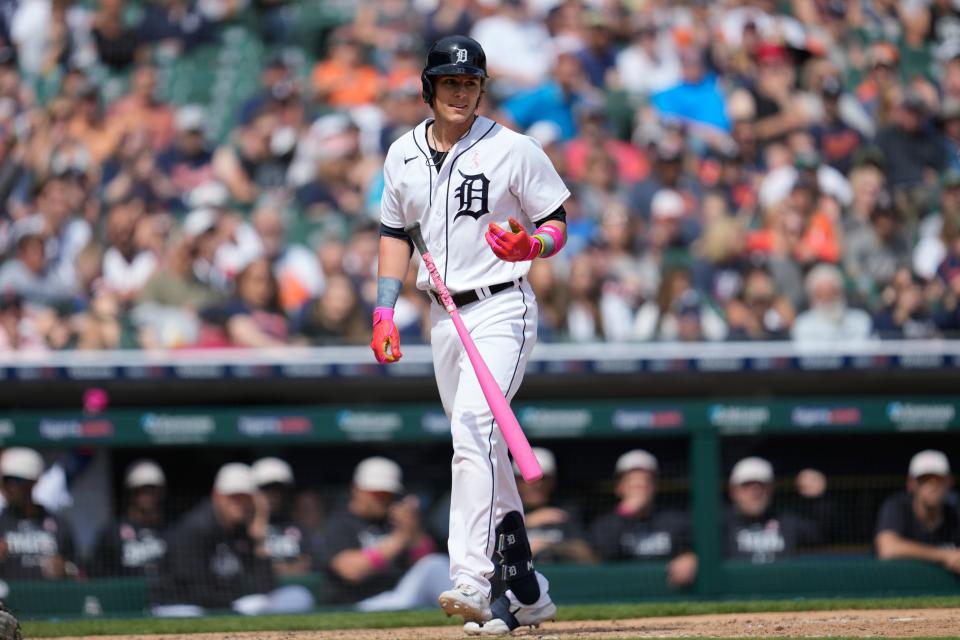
489 175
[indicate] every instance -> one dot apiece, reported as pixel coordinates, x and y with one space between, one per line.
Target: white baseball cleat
510 614
467 601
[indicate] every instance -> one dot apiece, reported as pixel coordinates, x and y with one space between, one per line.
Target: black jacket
209 566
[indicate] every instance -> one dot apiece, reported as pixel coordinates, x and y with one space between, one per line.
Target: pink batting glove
386 338
512 247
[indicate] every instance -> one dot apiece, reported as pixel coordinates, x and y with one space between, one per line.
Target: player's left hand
512 247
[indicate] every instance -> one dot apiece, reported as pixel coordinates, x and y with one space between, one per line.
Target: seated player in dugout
754 528
922 522
555 532
378 555
34 543
286 543
217 556
135 543
637 530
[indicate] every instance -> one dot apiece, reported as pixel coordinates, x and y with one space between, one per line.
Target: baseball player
489 202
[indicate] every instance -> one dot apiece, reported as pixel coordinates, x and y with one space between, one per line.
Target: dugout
856 416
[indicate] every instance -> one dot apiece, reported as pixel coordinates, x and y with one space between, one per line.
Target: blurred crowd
256 536
741 170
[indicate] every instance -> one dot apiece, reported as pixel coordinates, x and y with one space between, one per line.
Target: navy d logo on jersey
474 188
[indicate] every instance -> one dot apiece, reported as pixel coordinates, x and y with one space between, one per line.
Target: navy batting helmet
452 56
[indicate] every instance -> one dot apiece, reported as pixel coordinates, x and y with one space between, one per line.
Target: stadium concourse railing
703 393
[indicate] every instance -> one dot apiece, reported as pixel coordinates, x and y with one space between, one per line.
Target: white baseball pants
504 328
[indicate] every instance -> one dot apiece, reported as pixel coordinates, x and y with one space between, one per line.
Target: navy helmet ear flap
427 84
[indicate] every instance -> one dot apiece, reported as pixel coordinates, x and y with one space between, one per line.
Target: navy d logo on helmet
452 56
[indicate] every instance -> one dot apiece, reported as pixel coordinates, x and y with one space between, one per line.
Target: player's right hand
386 338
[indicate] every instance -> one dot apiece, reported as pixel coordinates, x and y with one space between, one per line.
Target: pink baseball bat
502 413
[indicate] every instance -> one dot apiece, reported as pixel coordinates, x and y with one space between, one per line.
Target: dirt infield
882 623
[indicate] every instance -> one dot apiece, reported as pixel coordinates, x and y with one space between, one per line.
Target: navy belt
464 298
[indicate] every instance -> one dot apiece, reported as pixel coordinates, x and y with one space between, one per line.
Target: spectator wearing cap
637 529
135 544
287 545
828 318
778 111
912 148
922 523
836 140
34 543
343 79
754 528
188 162
905 314
217 557
671 226
378 554
555 532
330 170
274 72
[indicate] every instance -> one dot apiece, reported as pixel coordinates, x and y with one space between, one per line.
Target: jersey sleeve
534 181
391 213
891 517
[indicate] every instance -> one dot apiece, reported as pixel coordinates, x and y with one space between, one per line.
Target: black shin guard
516 559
